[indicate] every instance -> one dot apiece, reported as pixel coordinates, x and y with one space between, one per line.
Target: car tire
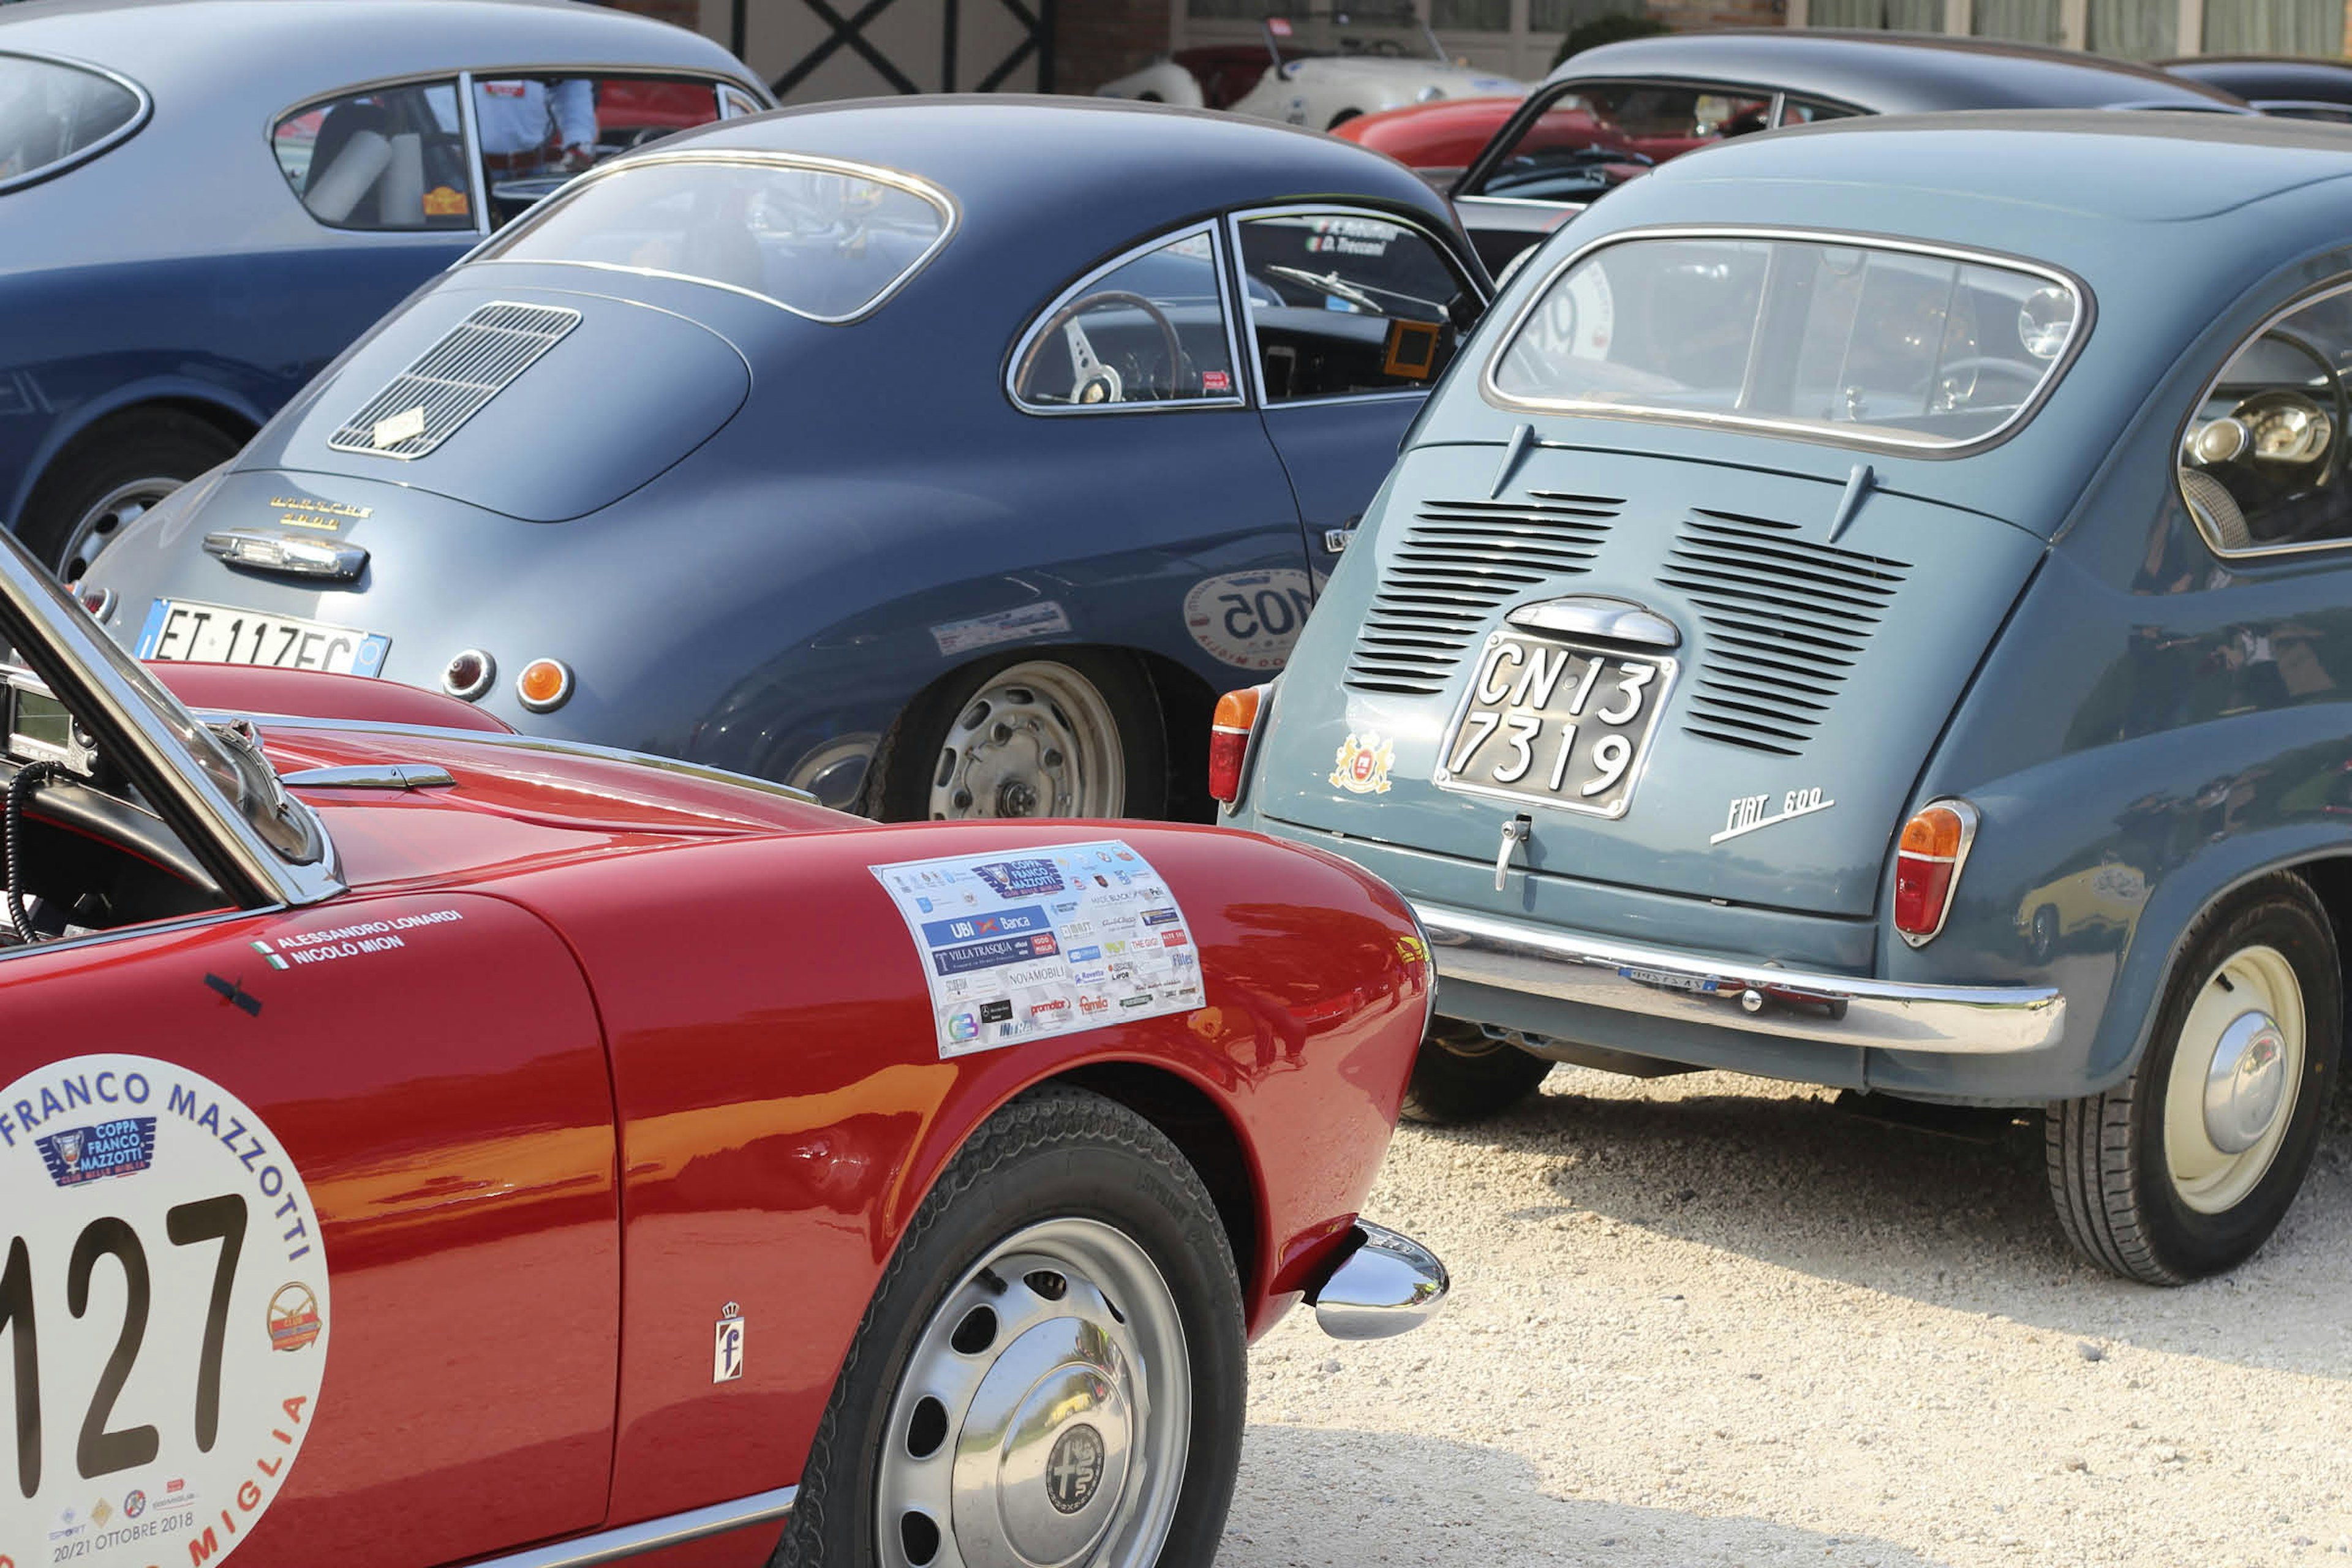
2176 1173
1464 1074
110 474
1066 1217
1014 735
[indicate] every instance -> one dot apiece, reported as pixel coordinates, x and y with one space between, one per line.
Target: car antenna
1857 489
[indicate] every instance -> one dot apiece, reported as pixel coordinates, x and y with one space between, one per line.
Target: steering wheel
1091 380
2229 442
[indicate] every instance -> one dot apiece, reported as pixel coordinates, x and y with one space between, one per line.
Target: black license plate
1557 723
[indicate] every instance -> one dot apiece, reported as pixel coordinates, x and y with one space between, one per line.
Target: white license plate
1559 723
217 634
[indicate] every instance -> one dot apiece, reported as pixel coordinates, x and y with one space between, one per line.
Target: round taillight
544 684
470 674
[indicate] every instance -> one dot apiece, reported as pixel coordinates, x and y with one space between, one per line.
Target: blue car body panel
178 267
755 537
2059 643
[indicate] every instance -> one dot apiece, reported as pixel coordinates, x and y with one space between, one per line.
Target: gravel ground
1714 1319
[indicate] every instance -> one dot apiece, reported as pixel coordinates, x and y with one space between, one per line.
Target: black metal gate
848 21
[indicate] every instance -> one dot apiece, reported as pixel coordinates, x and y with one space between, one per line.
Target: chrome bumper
1741 992
1386 1284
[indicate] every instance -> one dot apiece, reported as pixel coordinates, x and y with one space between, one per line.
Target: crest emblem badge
1364 762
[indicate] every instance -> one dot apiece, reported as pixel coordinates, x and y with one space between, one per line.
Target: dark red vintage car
421 1143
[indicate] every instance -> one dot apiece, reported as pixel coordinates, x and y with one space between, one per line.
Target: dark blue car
203 202
944 456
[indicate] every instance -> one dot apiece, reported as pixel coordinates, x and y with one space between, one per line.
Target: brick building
841 48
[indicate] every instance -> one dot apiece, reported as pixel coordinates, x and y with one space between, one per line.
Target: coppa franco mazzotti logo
161 1420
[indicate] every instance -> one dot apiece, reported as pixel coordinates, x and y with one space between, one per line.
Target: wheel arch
234 417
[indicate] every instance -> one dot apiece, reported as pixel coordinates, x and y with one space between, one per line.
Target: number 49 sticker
164 1316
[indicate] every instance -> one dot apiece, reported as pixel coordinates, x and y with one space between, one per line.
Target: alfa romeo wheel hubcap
2231 1093
1044 1415
1037 741
114 512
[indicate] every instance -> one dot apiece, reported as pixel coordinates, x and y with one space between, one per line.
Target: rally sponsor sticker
1044 942
164 1316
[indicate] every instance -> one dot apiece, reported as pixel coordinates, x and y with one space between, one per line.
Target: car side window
391 158
1343 303
2261 464
1150 329
537 132
1810 111
1596 135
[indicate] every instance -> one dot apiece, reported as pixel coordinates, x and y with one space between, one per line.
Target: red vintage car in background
422 1143
1438 141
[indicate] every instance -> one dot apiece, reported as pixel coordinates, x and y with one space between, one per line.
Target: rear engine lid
1757 696
540 403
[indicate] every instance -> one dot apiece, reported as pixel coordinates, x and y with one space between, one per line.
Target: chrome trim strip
369 775
132 932
508 741
469 132
1454 259
1744 993
106 696
1386 1284
1225 309
652 1535
2180 437
950 215
2085 319
1598 615
112 139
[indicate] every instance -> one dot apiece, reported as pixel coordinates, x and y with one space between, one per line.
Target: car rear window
52 115
824 240
1866 343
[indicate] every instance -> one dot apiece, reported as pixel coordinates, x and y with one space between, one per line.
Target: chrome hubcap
114 512
1037 741
2234 1081
1044 1413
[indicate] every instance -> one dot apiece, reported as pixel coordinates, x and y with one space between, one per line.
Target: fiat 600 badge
1853 618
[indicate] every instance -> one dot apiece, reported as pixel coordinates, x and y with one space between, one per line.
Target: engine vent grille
1785 620
1459 560
450 383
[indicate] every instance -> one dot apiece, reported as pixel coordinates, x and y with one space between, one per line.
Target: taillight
1927 866
1229 738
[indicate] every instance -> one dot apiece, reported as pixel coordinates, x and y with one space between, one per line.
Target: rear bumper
1385 1284
1747 994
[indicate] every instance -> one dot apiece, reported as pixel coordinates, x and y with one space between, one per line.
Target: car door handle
1335 540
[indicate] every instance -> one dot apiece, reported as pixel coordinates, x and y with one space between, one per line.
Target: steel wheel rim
2205 1104
1037 739
1044 1413
109 515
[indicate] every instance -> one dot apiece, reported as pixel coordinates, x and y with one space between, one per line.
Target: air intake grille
1458 561
1785 620
450 383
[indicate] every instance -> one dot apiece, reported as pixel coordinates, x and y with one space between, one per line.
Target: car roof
1056 168
275 52
2269 76
1894 73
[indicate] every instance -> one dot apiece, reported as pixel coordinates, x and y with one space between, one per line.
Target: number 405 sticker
163 1315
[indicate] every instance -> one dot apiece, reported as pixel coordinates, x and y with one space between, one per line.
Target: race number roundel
164 1316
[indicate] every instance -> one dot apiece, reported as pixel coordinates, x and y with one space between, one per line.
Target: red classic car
422 1143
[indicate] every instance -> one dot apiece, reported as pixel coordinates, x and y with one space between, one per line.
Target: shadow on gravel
1797 1181
1320 1498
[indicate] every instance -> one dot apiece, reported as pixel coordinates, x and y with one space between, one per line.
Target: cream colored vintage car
1319 69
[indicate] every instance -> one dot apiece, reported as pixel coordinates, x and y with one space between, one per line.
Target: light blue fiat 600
1873 606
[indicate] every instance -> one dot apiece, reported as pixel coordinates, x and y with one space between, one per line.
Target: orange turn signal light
1229 738
1927 866
544 685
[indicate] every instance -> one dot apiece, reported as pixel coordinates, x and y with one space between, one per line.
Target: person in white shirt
530 126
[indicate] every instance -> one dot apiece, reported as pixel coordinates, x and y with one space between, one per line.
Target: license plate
1561 724
217 634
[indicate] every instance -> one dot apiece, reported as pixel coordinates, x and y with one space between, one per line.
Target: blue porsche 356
838 447
1873 607
204 202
